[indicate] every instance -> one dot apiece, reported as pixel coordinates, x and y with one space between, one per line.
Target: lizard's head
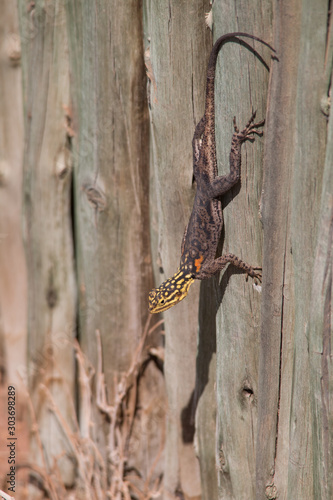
170 292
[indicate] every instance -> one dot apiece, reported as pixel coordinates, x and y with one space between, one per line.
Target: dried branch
92 469
6 496
121 413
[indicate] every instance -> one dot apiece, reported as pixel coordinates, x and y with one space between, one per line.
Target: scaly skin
202 235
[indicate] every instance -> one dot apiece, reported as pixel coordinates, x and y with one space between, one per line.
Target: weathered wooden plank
320 324
320 338
277 330
13 283
309 159
111 177
179 43
48 230
241 86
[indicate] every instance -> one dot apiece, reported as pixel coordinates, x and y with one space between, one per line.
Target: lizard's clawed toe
251 120
259 124
252 128
255 274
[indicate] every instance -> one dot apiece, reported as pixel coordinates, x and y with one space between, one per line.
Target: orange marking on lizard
197 263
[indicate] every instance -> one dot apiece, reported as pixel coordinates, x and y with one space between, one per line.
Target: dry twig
92 469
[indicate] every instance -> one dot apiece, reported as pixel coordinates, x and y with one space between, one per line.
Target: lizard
202 234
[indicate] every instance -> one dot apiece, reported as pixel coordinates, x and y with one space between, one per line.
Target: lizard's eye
162 301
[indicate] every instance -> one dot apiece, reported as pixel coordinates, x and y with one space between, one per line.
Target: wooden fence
230 397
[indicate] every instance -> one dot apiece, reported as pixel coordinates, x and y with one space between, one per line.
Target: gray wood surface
47 227
242 84
275 384
179 45
320 337
308 166
111 178
294 163
111 212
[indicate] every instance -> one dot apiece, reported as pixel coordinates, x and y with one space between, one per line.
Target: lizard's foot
253 272
250 129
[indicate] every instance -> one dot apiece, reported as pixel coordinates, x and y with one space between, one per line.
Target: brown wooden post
241 86
13 285
111 212
48 229
178 46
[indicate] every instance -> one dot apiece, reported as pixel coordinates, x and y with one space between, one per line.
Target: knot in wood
95 197
51 297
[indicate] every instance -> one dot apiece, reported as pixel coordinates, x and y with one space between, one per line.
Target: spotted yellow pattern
170 292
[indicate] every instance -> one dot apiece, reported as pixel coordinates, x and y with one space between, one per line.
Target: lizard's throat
170 292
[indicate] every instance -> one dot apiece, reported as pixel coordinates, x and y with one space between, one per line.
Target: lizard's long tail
209 111
217 46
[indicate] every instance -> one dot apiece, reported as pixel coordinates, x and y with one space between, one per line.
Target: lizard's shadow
225 200
211 295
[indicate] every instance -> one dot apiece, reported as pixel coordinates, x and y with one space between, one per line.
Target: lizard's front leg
215 266
222 184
